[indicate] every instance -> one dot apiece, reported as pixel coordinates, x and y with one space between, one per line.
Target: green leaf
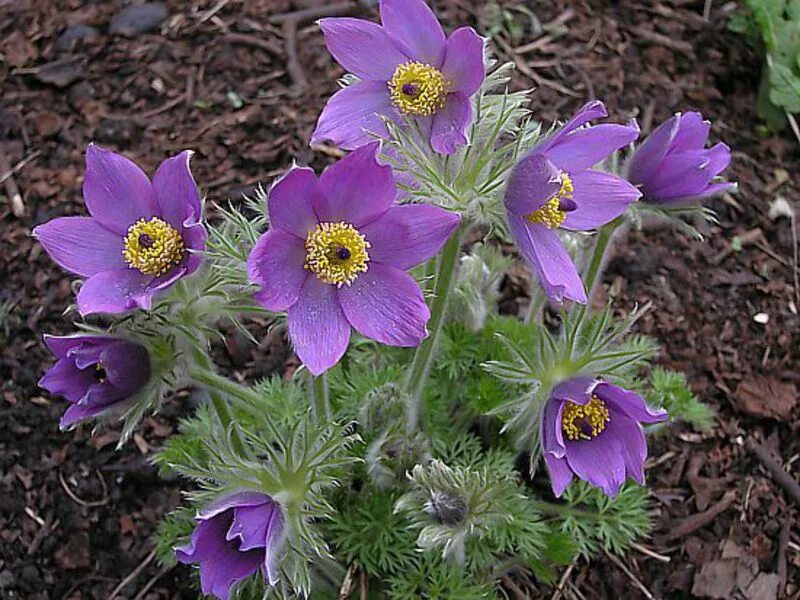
784 87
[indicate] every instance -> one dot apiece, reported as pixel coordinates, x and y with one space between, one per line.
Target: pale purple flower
141 237
406 66
236 536
337 255
592 429
95 373
554 186
673 165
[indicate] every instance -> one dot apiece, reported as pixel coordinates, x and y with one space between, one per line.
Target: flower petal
81 245
547 256
194 240
317 326
687 174
362 47
412 25
632 442
228 501
599 461
276 536
65 379
251 525
533 181
80 412
176 191
357 189
585 148
60 345
127 366
692 132
115 291
385 304
560 473
651 152
116 191
599 198
463 63
408 235
291 202
450 124
629 403
590 111
276 263
354 114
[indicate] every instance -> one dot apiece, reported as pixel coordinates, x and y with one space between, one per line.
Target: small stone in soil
139 18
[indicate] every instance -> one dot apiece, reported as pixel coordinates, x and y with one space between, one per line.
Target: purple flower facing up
138 239
236 536
337 253
673 165
407 68
592 429
95 373
554 186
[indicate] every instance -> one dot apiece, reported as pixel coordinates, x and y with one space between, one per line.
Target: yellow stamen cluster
336 253
418 89
152 246
551 215
594 415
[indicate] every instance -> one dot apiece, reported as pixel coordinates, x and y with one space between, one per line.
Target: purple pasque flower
406 66
673 165
236 536
554 186
141 237
95 373
337 255
592 429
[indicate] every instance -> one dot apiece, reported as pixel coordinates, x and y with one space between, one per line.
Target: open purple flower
141 238
236 536
406 67
673 164
553 186
592 429
337 253
95 373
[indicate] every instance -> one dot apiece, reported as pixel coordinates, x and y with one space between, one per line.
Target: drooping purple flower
673 165
554 186
95 373
237 535
592 429
406 66
141 237
337 255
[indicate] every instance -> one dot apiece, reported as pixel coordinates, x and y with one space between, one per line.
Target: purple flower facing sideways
138 239
592 429
673 165
337 255
236 536
406 67
554 187
95 373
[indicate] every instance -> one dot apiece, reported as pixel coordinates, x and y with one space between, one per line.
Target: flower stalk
601 245
320 398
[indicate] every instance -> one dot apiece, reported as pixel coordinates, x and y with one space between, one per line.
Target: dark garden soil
242 85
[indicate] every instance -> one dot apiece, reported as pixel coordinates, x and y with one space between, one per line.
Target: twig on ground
349 582
707 10
7 179
132 575
635 580
87 503
562 582
255 41
647 552
694 522
143 592
783 545
662 40
339 9
519 593
213 11
779 474
293 66
530 73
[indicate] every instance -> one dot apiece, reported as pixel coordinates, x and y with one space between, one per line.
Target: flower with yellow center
336 253
153 246
418 89
584 421
553 214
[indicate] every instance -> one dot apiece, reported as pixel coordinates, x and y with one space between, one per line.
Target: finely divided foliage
405 452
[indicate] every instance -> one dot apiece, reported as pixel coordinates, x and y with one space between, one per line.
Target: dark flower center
584 421
145 241
100 374
343 253
410 89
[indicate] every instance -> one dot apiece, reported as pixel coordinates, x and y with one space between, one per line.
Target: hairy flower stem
320 398
602 243
420 365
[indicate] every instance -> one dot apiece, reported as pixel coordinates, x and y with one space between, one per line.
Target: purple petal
585 148
405 236
633 444
65 379
127 366
116 191
577 390
588 112
412 25
560 473
692 132
651 152
251 525
547 256
81 245
550 432
276 537
115 291
240 498
317 326
533 181
291 202
276 263
600 461
463 63
449 130
719 157
60 345
629 403
684 175
176 191
362 47
80 412
357 189
599 198
354 113
385 304
194 240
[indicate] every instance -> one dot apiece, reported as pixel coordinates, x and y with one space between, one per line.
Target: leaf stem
602 243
